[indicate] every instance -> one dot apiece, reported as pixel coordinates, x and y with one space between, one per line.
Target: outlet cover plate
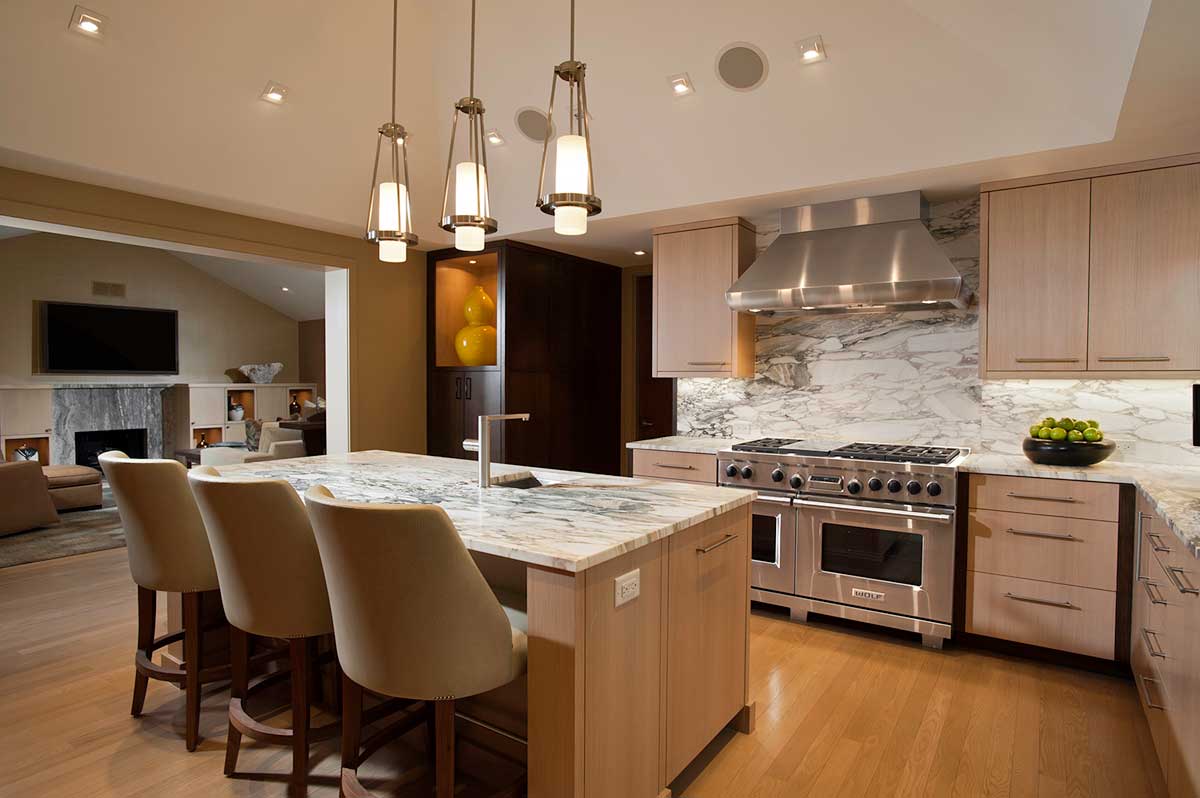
628 586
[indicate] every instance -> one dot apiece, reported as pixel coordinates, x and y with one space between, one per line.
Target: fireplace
90 445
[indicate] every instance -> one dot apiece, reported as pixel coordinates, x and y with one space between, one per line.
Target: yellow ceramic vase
476 343
479 307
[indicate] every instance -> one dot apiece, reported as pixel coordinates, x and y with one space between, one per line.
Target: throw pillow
253 433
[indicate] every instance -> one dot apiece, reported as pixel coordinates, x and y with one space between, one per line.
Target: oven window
871 553
764 538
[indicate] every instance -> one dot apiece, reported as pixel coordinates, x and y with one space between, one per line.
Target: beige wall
220 328
312 353
387 301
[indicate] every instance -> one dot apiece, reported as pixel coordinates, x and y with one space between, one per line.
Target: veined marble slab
574 522
685 443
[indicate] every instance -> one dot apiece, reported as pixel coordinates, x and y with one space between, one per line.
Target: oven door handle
941 518
773 499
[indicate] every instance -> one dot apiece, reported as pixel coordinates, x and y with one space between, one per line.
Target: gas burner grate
897 453
769 445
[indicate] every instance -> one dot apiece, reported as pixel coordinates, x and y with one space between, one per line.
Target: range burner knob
796 481
894 486
875 483
933 489
914 487
731 470
854 486
777 475
747 472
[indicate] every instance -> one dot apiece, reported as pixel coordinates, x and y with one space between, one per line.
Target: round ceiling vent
532 124
741 66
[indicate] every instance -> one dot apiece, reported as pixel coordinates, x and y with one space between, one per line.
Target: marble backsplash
913 377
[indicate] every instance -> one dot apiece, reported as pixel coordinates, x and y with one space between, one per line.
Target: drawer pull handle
707 363
1182 583
1063 499
1144 682
1066 605
1152 645
676 467
1049 535
1047 359
717 545
1156 542
1152 590
1133 358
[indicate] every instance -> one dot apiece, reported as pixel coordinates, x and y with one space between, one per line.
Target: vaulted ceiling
167 102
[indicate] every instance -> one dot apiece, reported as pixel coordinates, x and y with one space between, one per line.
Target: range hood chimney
872 253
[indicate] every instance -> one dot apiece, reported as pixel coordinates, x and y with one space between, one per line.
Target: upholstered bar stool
168 551
414 618
272 587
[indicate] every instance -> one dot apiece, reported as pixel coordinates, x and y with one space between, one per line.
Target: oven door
889 559
773 544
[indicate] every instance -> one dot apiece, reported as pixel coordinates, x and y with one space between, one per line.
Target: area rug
77 533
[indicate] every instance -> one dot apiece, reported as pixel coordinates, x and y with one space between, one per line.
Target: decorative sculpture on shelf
476 343
261 373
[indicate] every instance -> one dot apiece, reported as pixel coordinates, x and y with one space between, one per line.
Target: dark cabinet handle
468 381
458 387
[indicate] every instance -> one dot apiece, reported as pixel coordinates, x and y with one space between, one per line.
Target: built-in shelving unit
453 279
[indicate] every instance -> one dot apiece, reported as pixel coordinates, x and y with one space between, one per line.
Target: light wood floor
840 713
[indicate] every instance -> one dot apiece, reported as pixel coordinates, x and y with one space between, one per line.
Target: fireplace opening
90 445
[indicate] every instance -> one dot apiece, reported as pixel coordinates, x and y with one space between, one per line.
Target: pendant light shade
389 212
466 211
574 197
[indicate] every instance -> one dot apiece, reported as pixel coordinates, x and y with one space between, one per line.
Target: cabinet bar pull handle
1182 583
1031 534
1152 645
707 363
1047 359
1066 605
676 467
716 545
1151 590
1133 358
1142 679
1063 499
1156 543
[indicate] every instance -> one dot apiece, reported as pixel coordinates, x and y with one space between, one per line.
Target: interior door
655 395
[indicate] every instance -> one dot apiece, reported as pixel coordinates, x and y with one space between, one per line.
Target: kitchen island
620 698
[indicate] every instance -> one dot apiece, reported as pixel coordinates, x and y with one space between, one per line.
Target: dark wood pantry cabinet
558 357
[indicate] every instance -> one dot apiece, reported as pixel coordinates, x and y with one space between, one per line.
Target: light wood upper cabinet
1037 266
270 402
695 332
207 406
1145 275
25 411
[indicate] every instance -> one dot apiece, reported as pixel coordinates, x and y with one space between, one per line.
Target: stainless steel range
861 530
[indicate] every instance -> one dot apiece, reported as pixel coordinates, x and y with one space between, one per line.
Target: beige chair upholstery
279 450
273 433
25 501
223 455
270 571
167 546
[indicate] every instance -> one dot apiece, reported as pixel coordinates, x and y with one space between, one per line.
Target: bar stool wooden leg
444 750
352 704
239 655
192 639
301 682
147 611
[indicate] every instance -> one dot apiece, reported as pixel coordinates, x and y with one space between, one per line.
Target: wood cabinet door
25 411
1037 308
207 406
445 428
708 609
483 395
1181 668
694 330
271 402
1145 275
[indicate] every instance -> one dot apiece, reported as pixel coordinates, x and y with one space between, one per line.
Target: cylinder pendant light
574 197
389 212
466 190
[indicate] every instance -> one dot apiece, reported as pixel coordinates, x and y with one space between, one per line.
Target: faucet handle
471 444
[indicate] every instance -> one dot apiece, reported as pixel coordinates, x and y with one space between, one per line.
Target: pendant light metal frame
397 138
574 73
472 107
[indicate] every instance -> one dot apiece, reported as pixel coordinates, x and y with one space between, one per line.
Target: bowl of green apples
1067 441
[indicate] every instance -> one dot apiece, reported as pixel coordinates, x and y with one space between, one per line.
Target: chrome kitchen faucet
483 444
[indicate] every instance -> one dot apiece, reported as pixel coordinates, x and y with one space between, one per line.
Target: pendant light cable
395 28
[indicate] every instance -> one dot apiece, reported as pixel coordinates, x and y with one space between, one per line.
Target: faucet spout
483 444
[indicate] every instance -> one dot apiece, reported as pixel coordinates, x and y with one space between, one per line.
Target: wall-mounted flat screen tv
108 339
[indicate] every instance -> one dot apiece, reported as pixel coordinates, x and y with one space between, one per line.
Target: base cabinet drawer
1098 501
678 466
1079 620
1068 551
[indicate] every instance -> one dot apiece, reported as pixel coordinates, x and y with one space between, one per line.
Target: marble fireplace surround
103 407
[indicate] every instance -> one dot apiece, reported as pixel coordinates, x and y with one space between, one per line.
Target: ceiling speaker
532 124
741 66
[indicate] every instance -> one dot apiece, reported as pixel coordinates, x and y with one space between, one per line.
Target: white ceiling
303 301
932 94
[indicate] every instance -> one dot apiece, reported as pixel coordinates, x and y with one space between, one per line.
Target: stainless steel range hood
873 253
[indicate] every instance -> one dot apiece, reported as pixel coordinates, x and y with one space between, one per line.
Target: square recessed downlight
681 85
494 138
87 22
274 93
812 49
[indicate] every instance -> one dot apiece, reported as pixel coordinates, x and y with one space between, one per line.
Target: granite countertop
574 522
684 443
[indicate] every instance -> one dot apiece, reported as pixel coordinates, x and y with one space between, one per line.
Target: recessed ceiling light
87 22
274 93
494 138
812 49
807 307
472 261
681 85
928 301
639 252
285 288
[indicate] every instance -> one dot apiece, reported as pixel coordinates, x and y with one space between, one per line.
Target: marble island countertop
572 522
1173 490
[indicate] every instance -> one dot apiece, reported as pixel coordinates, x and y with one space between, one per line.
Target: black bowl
1066 453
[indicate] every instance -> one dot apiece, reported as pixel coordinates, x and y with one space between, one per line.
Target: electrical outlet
628 586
